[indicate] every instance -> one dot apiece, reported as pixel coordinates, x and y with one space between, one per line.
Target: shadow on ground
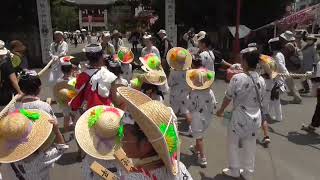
304 139
68 158
217 177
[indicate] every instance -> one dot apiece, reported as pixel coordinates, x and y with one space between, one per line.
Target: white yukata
245 122
202 105
126 71
57 51
161 174
111 165
207 60
179 91
38 165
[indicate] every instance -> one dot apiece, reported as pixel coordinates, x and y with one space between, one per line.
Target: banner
301 18
45 28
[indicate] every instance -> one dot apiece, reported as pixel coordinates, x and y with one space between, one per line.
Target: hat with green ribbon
99 131
22 133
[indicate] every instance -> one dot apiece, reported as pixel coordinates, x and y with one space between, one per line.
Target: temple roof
91 2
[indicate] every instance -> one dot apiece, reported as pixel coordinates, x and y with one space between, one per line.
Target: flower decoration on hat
171 137
151 62
66 60
179 53
95 116
136 83
125 55
33 116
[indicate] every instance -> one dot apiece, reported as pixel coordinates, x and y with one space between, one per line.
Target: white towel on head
102 81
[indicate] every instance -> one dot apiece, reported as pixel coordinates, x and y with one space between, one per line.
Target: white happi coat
57 51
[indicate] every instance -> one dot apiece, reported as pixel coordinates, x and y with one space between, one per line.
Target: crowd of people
117 106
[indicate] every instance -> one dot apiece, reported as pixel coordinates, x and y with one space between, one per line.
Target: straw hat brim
206 85
149 115
179 67
57 88
86 138
162 81
41 130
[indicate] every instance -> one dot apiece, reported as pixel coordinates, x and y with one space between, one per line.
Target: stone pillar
80 18
45 28
171 26
105 16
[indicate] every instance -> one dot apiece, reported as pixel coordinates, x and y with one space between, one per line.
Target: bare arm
225 104
14 82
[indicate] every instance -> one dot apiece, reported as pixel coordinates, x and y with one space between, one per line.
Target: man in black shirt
8 79
165 46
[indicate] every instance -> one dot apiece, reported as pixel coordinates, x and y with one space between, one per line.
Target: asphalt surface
292 155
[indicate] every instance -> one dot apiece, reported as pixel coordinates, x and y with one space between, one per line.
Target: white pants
276 109
243 158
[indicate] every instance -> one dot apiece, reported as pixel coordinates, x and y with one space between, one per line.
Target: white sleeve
51 50
281 64
231 89
64 49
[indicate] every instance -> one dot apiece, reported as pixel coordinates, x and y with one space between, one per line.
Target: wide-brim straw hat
3 49
288 36
269 66
151 62
311 37
151 116
204 76
179 59
125 55
157 78
63 92
14 150
89 139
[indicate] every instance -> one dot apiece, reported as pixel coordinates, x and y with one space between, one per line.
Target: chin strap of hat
172 121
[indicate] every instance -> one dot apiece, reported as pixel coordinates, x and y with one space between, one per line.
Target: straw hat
179 58
3 49
157 78
311 37
22 133
200 79
162 31
288 36
157 122
151 62
125 55
269 66
201 35
63 92
97 131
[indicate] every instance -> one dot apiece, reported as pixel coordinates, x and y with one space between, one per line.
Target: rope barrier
18 96
306 75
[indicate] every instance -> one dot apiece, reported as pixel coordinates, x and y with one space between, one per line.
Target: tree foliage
64 17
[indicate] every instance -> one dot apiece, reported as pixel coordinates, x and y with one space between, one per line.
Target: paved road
293 154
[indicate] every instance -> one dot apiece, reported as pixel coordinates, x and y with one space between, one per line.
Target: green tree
64 17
